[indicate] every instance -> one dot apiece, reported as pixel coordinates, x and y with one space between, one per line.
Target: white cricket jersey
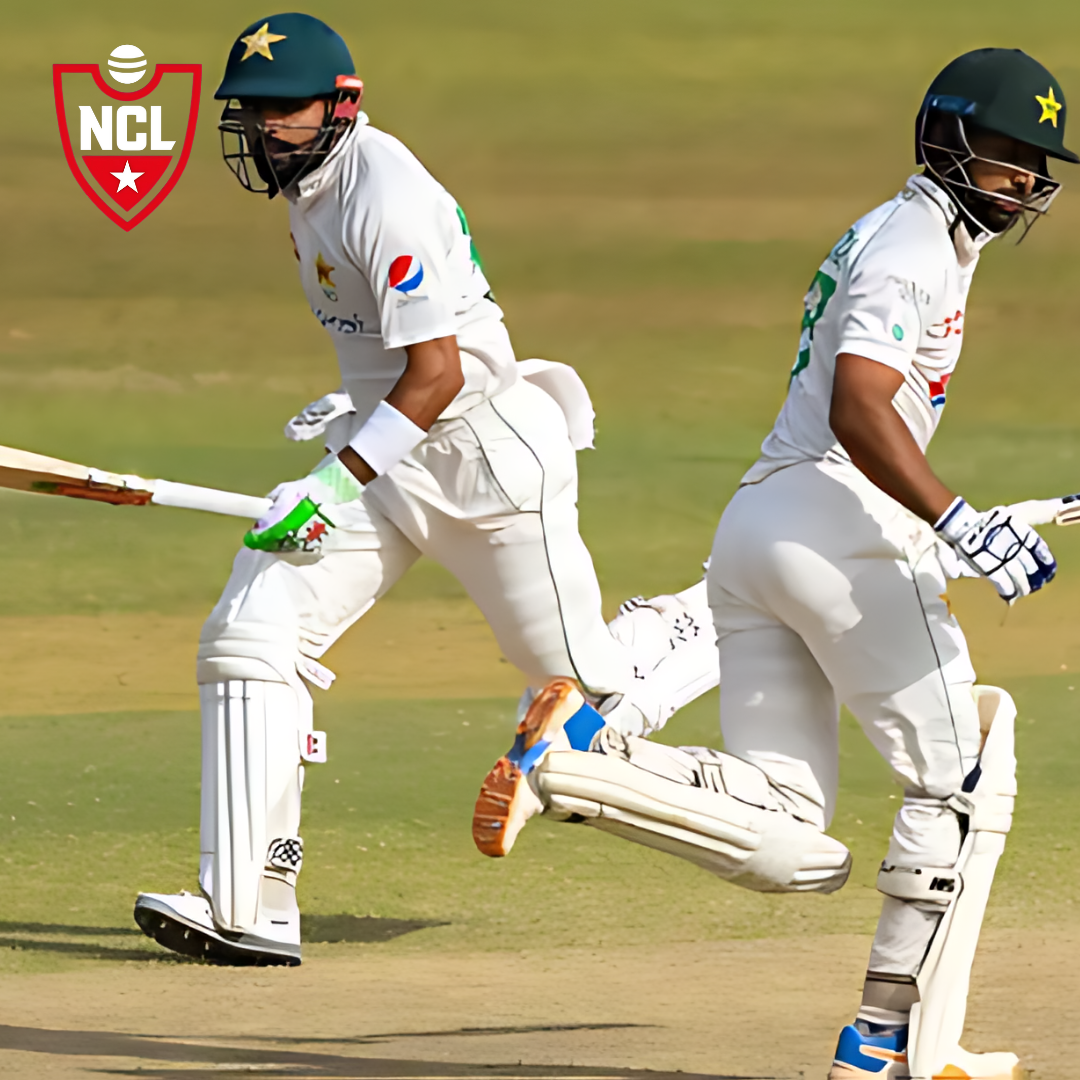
386 261
893 289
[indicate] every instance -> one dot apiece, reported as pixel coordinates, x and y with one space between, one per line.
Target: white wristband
958 520
386 437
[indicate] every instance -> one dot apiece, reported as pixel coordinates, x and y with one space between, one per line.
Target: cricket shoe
875 1051
559 718
185 924
882 1054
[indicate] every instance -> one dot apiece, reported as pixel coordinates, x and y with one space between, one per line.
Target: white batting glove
313 419
298 520
1000 546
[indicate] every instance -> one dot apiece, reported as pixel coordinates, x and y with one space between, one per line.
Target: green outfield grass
652 186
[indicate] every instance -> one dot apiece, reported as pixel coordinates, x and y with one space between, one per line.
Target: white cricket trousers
826 591
492 496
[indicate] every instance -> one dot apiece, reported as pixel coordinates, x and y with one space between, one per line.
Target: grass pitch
652 186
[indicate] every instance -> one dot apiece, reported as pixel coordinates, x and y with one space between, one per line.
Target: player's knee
251 650
252 631
926 832
794 856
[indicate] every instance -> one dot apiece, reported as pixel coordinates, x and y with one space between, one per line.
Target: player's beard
287 162
990 212
947 154
279 164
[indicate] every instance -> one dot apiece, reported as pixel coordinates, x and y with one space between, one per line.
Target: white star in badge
127 178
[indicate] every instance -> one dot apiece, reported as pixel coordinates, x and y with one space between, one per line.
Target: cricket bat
21 470
1063 511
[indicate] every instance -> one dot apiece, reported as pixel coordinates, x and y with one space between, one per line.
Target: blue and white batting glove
998 545
297 520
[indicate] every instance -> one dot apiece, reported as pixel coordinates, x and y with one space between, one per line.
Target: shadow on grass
473 1032
333 929
281 1063
71 931
314 929
82 950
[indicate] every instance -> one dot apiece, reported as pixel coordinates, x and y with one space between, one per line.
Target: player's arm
868 427
994 544
431 380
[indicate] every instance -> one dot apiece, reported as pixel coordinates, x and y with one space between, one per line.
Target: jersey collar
321 176
967 247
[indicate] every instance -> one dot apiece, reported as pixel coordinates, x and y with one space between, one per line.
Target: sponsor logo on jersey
355 325
406 274
954 324
127 157
937 391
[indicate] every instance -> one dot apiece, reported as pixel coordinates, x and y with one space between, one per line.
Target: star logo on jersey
406 274
1050 107
260 43
323 269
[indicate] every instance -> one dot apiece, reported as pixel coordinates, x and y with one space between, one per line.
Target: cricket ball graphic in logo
406 274
127 157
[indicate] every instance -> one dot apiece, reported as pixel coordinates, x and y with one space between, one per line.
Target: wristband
957 521
386 437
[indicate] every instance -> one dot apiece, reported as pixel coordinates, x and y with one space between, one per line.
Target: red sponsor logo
127 157
937 390
954 324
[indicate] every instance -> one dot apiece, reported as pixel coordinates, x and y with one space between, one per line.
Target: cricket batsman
440 443
827 584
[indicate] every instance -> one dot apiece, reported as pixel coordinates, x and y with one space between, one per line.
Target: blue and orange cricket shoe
878 1052
559 718
873 1050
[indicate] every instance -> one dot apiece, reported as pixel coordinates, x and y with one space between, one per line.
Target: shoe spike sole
500 809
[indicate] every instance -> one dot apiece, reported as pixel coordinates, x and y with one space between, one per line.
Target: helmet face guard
267 165
945 151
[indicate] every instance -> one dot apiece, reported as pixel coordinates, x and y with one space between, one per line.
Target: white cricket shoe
862 1055
185 924
559 718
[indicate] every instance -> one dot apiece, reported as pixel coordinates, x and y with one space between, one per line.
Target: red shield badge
127 157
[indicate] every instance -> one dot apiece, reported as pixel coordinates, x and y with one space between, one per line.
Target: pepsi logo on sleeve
406 275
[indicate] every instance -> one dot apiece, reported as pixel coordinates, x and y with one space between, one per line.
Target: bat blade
21 470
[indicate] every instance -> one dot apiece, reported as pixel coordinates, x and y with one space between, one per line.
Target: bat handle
1063 511
191 497
1036 511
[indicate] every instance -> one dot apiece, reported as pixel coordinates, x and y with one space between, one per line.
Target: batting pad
986 800
759 849
251 782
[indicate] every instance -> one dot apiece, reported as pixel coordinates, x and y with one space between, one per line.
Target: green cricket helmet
276 67
1003 92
